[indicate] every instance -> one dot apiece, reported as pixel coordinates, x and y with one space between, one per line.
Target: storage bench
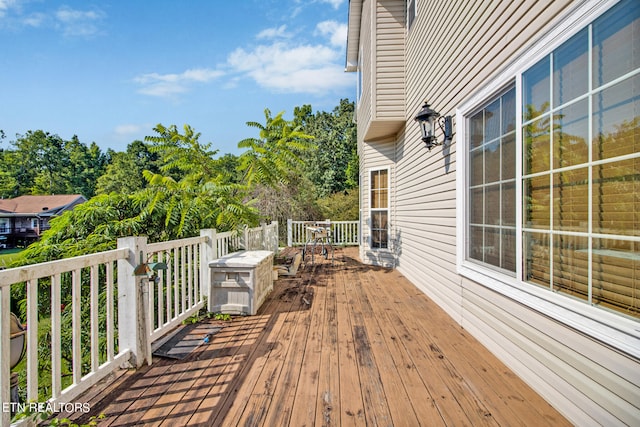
240 282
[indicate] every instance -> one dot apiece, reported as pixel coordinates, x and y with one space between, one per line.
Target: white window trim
613 329
370 237
359 79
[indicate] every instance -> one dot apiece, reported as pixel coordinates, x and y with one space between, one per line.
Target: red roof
39 204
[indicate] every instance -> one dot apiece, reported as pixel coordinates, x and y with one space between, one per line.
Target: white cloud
334 31
70 22
35 20
129 129
75 22
335 3
298 69
6 5
272 33
167 85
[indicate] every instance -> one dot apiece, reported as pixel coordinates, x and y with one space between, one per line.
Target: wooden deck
342 344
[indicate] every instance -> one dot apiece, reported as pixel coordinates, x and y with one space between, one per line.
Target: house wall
382 96
589 381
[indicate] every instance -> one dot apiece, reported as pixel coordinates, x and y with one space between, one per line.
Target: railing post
264 245
133 295
246 238
208 252
289 232
276 236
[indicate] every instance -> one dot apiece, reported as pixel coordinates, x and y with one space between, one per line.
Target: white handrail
343 233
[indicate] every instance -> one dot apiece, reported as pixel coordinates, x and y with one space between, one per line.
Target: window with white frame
579 139
379 199
492 182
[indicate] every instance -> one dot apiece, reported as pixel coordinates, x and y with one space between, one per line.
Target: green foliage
222 316
41 163
40 417
273 167
9 256
165 209
343 206
124 172
276 156
333 166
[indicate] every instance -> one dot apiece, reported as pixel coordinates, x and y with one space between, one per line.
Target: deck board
339 344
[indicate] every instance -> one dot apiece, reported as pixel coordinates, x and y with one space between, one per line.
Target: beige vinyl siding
364 106
381 110
389 55
451 52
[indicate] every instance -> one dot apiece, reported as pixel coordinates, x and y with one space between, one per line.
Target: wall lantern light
427 119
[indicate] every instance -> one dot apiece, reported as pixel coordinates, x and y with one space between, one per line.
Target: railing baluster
32 340
95 292
189 276
167 278
75 325
176 283
56 336
196 273
160 292
183 271
109 308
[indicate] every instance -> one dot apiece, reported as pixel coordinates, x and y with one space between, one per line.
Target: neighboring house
525 227
23 219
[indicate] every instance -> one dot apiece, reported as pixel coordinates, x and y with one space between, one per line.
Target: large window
379 209
578 180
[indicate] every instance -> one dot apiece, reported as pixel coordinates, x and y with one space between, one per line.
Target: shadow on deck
339 344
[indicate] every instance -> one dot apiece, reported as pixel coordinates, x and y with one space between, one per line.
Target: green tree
276 156
42 163
333 166
273 165
123 172
193 189
86 165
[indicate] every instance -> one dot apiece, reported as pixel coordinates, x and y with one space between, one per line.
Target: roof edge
353 35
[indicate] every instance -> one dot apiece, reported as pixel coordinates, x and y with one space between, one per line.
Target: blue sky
109 71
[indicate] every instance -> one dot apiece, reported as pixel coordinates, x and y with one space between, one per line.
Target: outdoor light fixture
427 119
149 268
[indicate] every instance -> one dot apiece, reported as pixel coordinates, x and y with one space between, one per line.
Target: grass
7 256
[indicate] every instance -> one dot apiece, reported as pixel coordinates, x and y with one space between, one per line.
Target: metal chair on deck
318 234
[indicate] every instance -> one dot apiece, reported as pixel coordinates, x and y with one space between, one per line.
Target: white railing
87 279
343 233
102 314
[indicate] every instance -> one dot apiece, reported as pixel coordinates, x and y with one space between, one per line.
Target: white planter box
240 282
